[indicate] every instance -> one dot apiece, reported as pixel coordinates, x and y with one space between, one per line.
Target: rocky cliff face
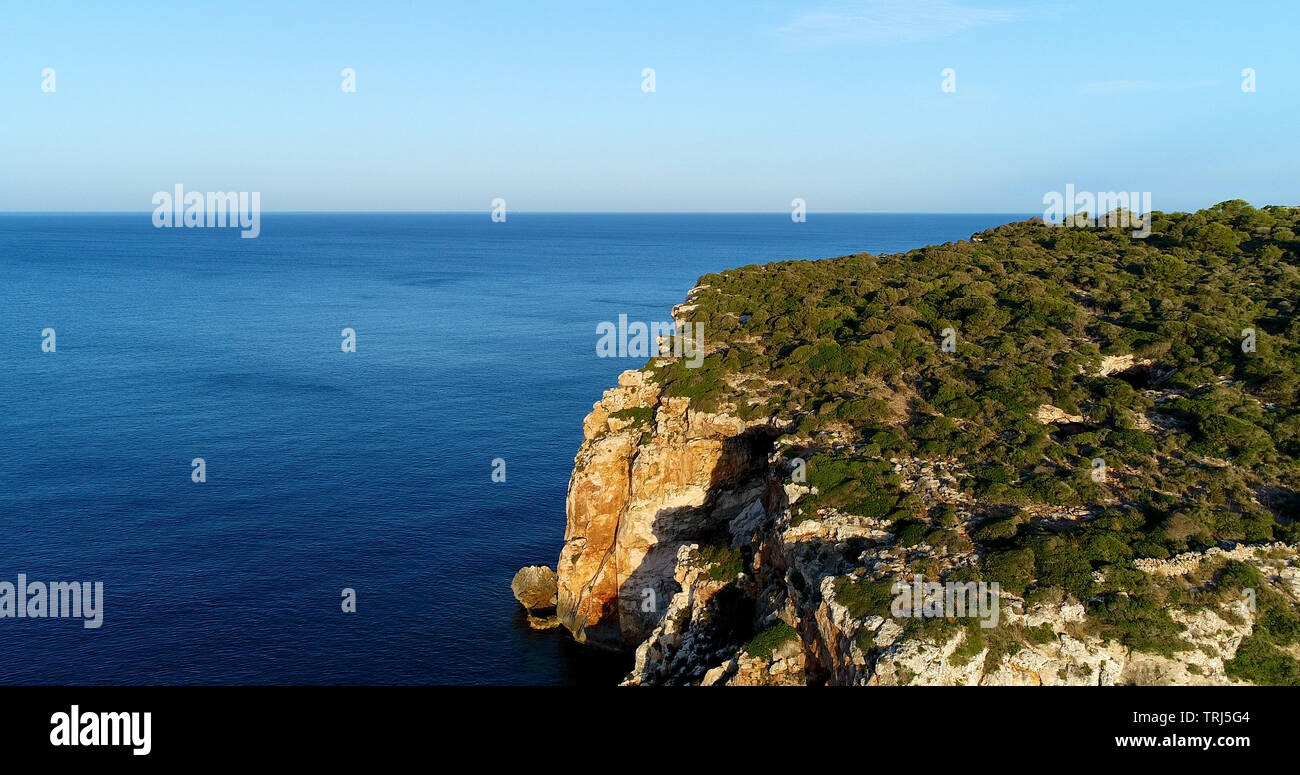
871 440
681 543
651 476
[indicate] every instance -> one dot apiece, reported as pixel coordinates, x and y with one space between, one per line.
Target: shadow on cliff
741 476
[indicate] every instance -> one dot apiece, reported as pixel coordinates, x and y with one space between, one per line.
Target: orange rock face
638 491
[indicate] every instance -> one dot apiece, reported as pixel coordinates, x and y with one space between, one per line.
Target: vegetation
863 597
1259 658
771 638
972 643
1258 661
1198 435
640 417
637 415
724 562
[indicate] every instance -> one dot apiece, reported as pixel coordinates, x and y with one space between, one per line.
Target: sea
327 470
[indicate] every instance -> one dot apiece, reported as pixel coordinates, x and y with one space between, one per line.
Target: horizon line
538 212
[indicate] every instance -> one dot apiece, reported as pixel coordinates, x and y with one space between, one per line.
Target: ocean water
327 470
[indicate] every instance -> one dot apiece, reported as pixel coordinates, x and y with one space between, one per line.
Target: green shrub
863 597
771 638
1040 635
910 532
1262 663
725 563
638 415
1138 623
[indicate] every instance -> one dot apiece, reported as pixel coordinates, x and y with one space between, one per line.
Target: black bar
1065 724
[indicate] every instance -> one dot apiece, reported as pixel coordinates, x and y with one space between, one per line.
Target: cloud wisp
883 22
1124 86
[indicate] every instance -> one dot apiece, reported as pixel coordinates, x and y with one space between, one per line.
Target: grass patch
725 563
1259 662
863 597
765 643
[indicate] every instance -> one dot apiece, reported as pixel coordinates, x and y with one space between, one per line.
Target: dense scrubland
1197 433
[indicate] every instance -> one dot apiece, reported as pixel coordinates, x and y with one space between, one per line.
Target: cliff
1100 471
644 484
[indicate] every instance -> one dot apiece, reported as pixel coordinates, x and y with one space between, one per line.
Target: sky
841 104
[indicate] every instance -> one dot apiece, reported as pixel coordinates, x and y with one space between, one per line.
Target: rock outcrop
535 589
650 476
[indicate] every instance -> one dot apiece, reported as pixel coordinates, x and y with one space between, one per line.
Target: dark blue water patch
368 470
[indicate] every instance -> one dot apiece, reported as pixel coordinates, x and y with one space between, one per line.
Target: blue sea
327 470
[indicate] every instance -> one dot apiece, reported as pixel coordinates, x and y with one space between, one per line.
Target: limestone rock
1048 414
534 588
635 498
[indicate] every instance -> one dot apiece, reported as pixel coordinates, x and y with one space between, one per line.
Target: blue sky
838 103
